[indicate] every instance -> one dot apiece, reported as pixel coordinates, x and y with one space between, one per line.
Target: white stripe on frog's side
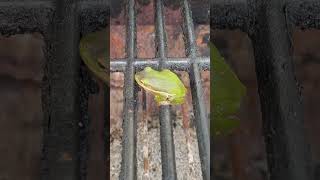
167 95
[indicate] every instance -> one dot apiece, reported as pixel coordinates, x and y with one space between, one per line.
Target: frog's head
144 78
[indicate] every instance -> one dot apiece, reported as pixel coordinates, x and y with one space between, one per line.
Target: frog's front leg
162 100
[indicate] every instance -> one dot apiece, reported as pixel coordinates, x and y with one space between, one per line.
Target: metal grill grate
192 63
277 86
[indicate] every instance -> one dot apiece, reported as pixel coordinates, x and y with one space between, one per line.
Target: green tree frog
94 51
164 85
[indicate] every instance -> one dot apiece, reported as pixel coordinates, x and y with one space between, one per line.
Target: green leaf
94 51
227 93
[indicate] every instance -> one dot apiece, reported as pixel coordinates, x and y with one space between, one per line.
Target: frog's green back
165 81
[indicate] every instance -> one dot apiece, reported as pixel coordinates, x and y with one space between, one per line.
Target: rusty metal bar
129 141
168 160
288 153
199 109
61 95
178 64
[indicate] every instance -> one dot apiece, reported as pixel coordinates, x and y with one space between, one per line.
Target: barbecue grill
192 64
267 22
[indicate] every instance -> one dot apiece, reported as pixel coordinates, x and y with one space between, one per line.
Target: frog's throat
147 88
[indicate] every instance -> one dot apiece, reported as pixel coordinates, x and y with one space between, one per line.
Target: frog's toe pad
163 103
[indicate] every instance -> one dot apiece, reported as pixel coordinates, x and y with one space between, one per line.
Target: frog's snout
148 69
139 75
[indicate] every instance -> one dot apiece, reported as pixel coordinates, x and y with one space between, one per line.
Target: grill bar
236 14
129 142
18 17
106 120
231 14
61 95
179 64
288 153
166 132
304 14
201 116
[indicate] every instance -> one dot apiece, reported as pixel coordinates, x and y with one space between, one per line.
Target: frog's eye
147 68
